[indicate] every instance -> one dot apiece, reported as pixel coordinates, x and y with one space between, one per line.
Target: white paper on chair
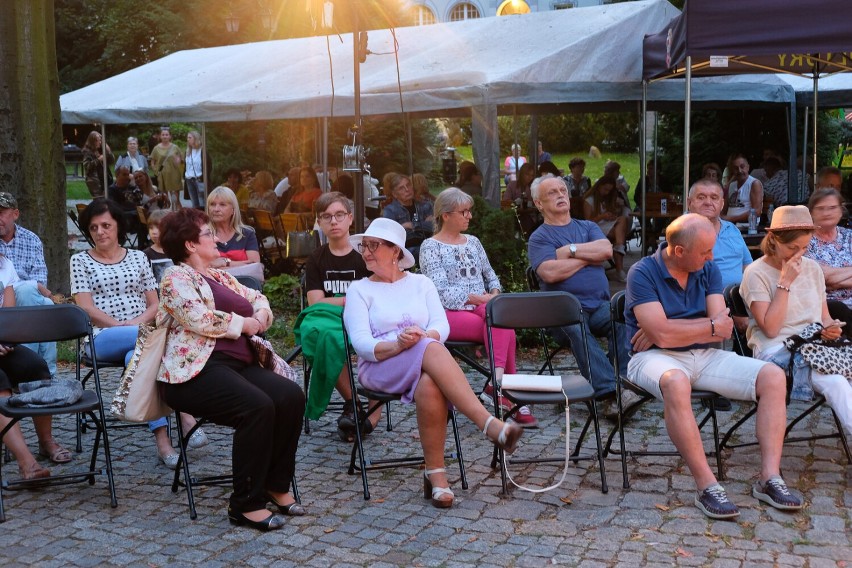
537 383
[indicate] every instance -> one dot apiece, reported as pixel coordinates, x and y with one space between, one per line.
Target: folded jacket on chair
39 394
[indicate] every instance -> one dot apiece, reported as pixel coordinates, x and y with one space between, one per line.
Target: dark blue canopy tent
721 37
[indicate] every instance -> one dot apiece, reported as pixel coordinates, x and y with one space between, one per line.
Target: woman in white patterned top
117 289
458 266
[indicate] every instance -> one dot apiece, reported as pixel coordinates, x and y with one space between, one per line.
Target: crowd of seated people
364 279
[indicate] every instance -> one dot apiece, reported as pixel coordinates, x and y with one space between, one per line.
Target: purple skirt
398 375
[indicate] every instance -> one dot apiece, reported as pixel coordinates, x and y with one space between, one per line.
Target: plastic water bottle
752 222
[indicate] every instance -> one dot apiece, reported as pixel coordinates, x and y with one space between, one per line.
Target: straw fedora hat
390 231
791 218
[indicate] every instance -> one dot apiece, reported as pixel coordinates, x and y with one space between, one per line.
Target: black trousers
22 365
266 412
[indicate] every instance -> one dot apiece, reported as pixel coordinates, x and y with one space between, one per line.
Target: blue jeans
597 325
195 188
117 344
28 295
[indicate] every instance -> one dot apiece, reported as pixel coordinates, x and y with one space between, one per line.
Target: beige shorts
722 372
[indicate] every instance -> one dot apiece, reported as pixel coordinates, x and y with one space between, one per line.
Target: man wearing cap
24 249
567 255
676 314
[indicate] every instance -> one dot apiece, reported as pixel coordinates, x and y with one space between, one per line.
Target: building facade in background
433 11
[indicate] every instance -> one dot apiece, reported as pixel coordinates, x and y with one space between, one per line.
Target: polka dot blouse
117 289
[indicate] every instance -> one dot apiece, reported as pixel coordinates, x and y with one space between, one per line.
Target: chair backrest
737 306
653 204
290 222
533 310
533 284
250 282
263 221
37 324
616 307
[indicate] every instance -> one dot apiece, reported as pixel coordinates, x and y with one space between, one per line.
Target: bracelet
712 328
782 287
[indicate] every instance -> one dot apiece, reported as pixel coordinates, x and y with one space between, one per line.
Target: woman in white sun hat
397 326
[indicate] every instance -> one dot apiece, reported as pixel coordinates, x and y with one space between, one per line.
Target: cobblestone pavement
653 522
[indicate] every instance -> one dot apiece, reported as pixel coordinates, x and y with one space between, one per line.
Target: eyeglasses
207 233
370 246
464 213
339 217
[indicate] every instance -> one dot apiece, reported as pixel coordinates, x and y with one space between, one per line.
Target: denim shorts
723 372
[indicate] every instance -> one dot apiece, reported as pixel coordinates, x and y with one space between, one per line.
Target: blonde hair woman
237 242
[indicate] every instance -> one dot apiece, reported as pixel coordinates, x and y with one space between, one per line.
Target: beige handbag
138 398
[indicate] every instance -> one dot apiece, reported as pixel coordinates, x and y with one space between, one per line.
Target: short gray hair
447 202
537 182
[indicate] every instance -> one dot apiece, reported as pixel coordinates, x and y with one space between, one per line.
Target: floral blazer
186 297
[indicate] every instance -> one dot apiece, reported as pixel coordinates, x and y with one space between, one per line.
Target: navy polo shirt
650 281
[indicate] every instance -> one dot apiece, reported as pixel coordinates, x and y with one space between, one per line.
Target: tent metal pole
816 106
359 176
791 158
204 160
324 151
105 164
642 155
687 109
410 142
801 190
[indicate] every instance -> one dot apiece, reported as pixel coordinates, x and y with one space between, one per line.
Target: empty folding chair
542 310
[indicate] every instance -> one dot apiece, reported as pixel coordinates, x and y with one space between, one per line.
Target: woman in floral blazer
209 369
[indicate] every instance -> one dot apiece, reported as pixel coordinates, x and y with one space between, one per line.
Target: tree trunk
32 165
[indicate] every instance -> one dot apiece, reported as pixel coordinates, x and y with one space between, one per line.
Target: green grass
76 189
594 166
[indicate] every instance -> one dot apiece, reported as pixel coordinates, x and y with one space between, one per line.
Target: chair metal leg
183 463
358 447
459 454
594 413
724 443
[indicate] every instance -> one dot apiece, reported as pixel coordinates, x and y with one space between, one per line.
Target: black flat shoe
294 509
270 523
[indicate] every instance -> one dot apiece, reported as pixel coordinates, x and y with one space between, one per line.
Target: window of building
464 11
511 7
422 16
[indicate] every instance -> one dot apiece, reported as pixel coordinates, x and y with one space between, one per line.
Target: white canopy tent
555 61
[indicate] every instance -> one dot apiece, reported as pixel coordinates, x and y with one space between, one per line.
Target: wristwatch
573 249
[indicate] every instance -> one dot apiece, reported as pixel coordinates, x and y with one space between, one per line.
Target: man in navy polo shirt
676 316
568 255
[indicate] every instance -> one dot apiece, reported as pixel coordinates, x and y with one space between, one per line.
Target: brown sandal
55 453
34 471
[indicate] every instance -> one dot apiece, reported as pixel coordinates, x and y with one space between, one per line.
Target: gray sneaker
774 491
714 503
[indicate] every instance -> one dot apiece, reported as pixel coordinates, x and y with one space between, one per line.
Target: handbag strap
567 455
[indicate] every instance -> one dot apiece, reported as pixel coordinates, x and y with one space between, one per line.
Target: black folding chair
381 399
533 285
190 481
59 322
738 308
541 310
707 397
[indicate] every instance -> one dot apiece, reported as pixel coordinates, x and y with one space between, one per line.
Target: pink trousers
469 325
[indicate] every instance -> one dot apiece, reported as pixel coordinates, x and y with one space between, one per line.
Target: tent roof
758 36
577 56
